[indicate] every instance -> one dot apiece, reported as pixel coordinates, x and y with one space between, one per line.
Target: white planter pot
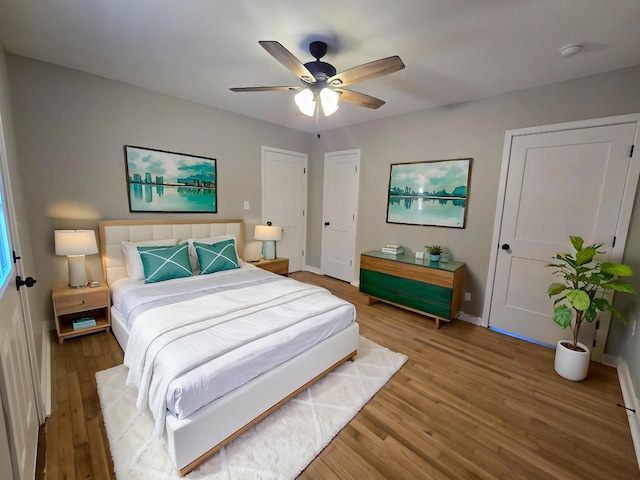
571 364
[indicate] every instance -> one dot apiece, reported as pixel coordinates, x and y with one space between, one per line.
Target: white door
284 201
558 183
340 213
16 380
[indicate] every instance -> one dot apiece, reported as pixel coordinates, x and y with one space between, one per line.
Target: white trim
309 268
45 368
630 401
473 319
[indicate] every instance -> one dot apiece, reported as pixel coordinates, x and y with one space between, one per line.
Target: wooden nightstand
72 303
278 265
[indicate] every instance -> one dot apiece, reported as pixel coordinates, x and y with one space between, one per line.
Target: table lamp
269 234
75 244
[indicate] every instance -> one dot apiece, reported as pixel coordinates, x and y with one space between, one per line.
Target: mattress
298 325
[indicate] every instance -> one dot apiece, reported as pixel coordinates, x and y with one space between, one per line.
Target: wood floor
469 403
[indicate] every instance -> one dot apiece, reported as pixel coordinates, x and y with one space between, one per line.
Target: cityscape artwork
429 193
161 181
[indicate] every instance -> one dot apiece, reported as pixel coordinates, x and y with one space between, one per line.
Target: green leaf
618 269
578 299
563 315
585 255
601 304
618 286
556 288
577 242
617 314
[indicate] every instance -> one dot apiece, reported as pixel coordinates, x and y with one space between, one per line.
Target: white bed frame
192 440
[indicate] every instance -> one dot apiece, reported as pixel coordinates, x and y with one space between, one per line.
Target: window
5 245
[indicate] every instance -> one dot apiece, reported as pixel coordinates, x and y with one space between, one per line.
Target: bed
301 333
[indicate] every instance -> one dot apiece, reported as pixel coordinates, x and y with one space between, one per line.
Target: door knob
505 246
29 282
326 224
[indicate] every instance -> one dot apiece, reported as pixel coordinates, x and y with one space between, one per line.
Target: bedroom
70 126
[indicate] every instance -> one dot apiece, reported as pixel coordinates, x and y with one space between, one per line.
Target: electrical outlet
246 204
467 296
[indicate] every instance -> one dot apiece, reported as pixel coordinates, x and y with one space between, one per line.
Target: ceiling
454 50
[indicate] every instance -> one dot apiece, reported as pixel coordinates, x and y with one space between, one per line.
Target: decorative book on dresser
433 289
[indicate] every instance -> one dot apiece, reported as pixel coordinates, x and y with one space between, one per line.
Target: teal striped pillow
217 256
165 263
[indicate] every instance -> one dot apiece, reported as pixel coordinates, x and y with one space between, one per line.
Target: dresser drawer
79 303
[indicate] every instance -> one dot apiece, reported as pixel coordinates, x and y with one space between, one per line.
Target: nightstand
70 304
278 265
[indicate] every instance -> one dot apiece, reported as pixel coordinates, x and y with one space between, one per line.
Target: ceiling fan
321 82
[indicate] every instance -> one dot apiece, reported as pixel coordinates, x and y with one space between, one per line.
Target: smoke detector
570 50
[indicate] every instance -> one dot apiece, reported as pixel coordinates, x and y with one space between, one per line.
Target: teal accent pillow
217 256
165 263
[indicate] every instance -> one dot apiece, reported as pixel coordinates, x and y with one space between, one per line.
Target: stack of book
392 249
83 322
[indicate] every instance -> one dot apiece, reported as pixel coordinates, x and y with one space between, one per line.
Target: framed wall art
429 193
161 181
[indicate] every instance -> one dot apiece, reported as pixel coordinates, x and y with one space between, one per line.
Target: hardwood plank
469 403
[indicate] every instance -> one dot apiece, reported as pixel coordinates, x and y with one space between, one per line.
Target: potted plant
434 252
579 297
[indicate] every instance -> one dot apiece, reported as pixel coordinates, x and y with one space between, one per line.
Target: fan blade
265 89
360 99
286 58
368 71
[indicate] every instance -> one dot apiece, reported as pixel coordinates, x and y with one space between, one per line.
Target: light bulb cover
329 101
305 102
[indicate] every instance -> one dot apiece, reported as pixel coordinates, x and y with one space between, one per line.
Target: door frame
357 200
626 209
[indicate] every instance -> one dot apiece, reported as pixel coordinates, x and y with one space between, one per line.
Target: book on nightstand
83 322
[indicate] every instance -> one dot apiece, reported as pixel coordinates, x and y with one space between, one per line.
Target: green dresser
429 288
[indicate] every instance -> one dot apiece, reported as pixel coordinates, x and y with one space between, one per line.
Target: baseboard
45 370
465 317
630 401
309 268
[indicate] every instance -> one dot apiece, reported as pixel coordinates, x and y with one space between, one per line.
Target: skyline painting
162 181
429 193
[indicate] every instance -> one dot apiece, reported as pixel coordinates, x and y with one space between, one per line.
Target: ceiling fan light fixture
305 102
329 101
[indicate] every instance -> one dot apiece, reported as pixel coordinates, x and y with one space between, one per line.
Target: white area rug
279 447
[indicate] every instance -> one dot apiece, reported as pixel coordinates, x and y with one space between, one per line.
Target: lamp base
269 250
77 271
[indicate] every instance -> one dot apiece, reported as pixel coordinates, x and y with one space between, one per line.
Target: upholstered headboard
114 232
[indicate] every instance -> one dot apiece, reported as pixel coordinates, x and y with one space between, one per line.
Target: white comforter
171 339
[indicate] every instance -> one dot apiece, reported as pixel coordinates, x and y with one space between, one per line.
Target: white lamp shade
75 242
267 232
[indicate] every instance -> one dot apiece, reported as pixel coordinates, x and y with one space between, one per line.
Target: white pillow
193 256
132 261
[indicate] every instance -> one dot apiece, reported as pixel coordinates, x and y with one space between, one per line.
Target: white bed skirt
202 432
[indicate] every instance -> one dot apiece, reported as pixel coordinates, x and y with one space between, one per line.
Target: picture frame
430 193
169 182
